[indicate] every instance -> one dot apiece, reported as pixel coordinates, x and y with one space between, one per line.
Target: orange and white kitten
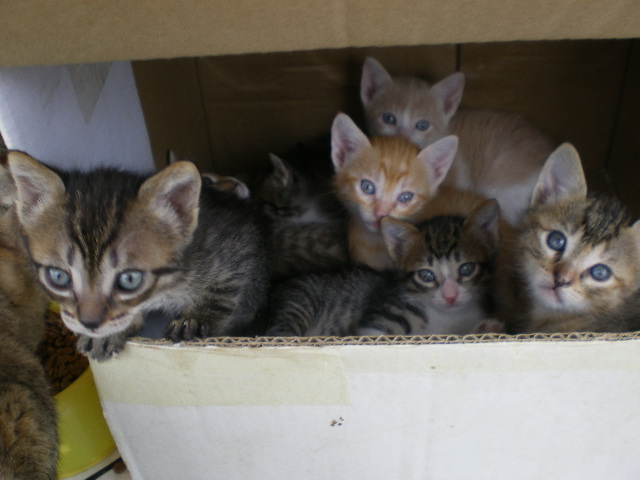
500 154
383 176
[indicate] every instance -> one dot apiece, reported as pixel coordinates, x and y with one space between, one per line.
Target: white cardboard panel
505 410
77 116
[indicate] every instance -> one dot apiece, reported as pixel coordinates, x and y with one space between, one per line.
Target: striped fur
401 180
28 430
201 253
500 154
361 301
564 293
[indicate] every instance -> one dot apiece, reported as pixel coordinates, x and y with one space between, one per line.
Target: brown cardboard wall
624 165
256 103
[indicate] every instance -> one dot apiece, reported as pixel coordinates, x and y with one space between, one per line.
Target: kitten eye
404 197
59 278
389 118
600 272
422 125
426 275
557 241
467 269
367 187
129 280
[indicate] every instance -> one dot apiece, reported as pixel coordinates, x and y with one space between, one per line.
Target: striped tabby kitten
292 195
579 255
440 284
109 246
308 228
28 430
500 154
383 176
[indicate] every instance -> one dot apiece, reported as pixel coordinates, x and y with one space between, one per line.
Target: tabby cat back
500 154
28 430
109 246
440 284
579 255
383 176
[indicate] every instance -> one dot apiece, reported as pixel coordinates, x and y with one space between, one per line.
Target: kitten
383 176
110 246
216 181
28 430
299 248
500 154
290 194
308 225
440 284
579 255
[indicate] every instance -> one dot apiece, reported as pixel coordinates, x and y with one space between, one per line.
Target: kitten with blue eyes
380 177
579 255
440 283
500 153
110 246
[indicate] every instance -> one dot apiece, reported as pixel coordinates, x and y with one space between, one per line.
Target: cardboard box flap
43 32
489 410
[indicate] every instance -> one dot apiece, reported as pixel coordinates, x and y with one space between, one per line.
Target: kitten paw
102 348
489 326
186 329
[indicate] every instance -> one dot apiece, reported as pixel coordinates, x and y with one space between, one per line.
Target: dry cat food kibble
59 356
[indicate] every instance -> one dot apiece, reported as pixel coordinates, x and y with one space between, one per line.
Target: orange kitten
500 154
384 176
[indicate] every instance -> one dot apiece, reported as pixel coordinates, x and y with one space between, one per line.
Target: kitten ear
400 238
37 188
7 187
346 140
173 194
634 229
484 224
561 177
448 93
438 158
281 171
374 78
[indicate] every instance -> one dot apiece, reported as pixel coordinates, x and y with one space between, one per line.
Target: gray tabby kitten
440 284
292 195
308 223
28 430
579 255
110 246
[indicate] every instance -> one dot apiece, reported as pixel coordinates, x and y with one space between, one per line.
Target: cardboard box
561 406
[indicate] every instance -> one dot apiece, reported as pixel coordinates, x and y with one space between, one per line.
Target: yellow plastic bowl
85 439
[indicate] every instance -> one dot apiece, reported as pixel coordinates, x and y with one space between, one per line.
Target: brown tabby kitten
383 176
110 246
440 284
28 430
579 255
500 154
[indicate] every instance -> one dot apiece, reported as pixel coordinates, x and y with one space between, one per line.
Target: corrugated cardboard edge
234 342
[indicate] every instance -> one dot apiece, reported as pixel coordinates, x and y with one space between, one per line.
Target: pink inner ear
374 78
182 198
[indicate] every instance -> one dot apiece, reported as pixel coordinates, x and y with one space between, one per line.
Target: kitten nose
450 292
91 315
564 277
